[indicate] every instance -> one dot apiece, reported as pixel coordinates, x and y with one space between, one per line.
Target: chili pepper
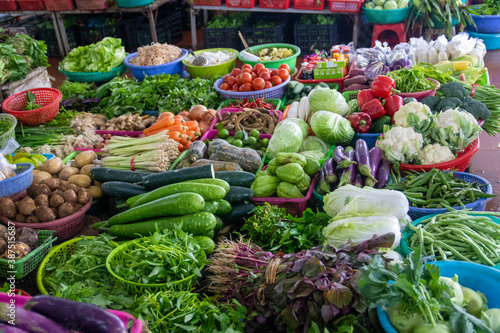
383 86
392 104
364 96
374 109
360 122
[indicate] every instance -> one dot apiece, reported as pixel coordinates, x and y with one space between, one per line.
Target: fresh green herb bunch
234 20
489 7
31 102
5 125
78 90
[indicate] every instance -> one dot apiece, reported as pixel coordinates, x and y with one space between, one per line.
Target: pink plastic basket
275 92
121 133
65 228
294 207
422 94
20 300
223 111
212 134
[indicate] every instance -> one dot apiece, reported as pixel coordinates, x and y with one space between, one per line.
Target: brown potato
67 172
74 164
37 189
80 180
56 200
4 232
85 170
85 158
27 206
77 207
96 183
95 192
42 200
66 209
52 183
52 166
73 187
56 213
28 236
63 185
32 219
3 245
39 176
70 196
20 218
84 196
45 214
8 208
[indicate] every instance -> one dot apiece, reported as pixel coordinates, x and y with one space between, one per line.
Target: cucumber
238 195
218 224
207 191
210 234
206 244
197 224
130 201
298 88
236 178
307 89
122 189
324 85
237 214
210 207
157 180
106 175
213 181
172 205
224 208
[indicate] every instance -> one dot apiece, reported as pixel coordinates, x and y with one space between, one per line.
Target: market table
150 11
195 9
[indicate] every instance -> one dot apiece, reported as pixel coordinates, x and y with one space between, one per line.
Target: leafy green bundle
234 20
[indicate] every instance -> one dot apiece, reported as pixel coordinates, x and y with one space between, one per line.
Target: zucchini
218 224
156 180
197 224
122 189
207 244
172 205
207 191
237 214
224 208
298 88
210 207
238 195
236 178
107 175
213 181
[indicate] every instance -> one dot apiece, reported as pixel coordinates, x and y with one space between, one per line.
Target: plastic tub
474 276
422 94
491 41
133 3
489 24
95 76
291 61
171 68
391 16
21 181
275 92
48 98
223 111
370 138
274 101
214 70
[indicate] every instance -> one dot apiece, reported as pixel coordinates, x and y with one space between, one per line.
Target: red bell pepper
360 122
392 104
364 96
383 86
387 79
374 109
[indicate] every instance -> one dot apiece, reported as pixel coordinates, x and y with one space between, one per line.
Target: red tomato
224 86
245 66
263 70
236 87
246 70
276 80
238 79
253 75
258 83
285 66
236 72
265 76
274 72
226 78
231 81
246 87
283 74
257 67
246 78
268 85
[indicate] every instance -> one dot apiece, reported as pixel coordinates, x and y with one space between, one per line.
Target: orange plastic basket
48 98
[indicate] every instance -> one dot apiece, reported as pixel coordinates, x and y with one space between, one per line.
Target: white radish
302 108
308 111
293 112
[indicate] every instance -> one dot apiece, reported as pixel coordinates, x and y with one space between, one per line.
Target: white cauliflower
401 144
453 118
421 110
455 128
435 153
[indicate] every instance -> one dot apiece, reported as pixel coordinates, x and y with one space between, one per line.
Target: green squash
273 165
265 186
287 190
286 158
291 172
304 183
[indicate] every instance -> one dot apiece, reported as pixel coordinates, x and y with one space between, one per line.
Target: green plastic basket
65 249
26 265
11 132
273 101
350 95
95 76
389 16
291 61
213 70
133 3
186 284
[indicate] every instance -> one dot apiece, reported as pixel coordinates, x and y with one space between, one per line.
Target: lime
230 140
257 144
255 134
238 143
223 133
262 149
265 142
240 135
251 141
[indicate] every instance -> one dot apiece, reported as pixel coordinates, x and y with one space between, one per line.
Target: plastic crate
340 81
223 37
57 5
322 37
93 4
48 98
276 92
275 4
223 111
49 37
309 5
95 33
240 3
345 6
30 263
257 36
274 101
31 4
137 32
8 5
207 2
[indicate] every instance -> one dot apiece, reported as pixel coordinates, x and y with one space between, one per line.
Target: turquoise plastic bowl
491 41
474 276
133 3
388 16
291 61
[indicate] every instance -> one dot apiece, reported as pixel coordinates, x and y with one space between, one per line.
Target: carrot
186 146
174 135
181 148
177 128
165 114
192 125
185 139
165 122
178 120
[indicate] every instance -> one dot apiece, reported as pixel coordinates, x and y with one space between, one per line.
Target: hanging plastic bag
10 147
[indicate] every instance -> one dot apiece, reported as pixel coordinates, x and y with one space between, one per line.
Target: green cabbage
391 4
302 124
313 143
313 154
327 100
286 139
331 127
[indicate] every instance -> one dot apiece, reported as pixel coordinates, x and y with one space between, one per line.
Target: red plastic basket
309 4
207 2
65 228
345 6
48 98
93 4
8 5
57 5
460 163
240 3
31 4
275 4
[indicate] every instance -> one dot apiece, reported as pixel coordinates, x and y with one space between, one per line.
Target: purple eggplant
358 180
340 157
329 168
348 174
384 170
7 328
76 316
324 186
363 159
28 320
375 158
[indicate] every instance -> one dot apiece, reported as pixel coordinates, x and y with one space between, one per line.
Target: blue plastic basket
21 181
275 92
370 138
95 76
474 276
171 68
489 24
491 41
479 205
